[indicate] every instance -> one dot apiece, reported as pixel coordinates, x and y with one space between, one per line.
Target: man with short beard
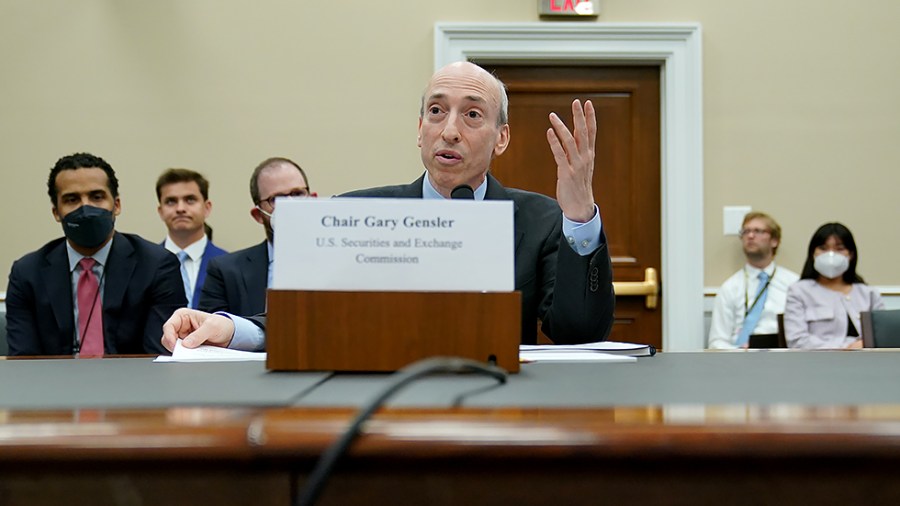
236 283
750 300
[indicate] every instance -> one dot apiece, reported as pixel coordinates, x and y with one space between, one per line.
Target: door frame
677 49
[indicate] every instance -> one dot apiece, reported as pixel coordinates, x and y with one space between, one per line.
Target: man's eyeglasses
754 231
296 194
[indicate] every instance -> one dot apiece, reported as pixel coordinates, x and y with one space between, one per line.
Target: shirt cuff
247 335
584 238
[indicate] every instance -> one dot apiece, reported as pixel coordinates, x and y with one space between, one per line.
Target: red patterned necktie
90 311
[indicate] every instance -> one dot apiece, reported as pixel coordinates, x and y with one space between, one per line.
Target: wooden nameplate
385 331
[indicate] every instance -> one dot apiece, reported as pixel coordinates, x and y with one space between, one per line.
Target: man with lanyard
750 300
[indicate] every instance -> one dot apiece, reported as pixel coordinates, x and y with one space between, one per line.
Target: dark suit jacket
142 288
211 251
572 295
236 282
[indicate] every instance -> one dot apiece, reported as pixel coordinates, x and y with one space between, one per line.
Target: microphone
463 192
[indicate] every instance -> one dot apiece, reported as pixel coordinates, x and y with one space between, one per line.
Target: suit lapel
414 189
119 268
58 280
256 275
201 276
496 191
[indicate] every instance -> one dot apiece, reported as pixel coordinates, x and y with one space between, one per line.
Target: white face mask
831 264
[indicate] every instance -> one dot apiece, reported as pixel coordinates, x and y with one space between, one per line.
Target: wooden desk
679 453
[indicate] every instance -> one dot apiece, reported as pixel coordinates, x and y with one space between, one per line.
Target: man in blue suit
95 291
237 282
184 207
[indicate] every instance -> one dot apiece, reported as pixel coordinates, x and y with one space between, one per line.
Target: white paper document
207 353
394 245
572 356
610 347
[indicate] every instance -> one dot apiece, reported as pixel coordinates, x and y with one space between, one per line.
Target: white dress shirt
192 262
735 298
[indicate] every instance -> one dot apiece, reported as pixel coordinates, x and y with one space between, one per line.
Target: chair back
770 340
881 329
782 340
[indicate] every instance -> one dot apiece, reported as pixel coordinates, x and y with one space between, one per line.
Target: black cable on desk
317 479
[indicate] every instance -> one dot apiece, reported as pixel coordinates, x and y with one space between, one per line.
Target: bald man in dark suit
562 262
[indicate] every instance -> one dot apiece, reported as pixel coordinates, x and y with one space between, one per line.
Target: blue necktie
182 257
753 316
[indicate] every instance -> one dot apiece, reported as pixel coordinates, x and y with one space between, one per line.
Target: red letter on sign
553 6
569 6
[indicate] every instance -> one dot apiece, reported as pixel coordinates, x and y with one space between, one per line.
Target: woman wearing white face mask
822 309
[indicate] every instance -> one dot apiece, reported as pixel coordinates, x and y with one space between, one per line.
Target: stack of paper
206 353
605 351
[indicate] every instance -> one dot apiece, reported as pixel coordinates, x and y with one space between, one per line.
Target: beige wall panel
800 110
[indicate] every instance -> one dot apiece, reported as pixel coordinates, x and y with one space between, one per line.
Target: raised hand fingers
590 116
563 137
573 152
559 153
584 130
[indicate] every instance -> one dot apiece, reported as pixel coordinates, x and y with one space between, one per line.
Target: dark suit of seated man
543 259
236 283
96 291
562 261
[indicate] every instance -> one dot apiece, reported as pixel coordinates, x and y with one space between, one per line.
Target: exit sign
569 7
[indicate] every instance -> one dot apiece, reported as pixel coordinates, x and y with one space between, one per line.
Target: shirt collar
271 249
194 251
429 193
754 272
100 256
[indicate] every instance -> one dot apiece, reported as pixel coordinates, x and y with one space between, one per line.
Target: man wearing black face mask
95 291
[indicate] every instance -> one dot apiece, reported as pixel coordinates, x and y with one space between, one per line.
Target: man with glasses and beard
749 302
236 283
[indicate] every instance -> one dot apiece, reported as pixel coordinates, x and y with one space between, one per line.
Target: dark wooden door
627 165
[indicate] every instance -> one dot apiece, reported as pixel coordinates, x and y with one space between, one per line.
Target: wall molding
677 49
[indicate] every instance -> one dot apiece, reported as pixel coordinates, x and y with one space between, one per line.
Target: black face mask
88 226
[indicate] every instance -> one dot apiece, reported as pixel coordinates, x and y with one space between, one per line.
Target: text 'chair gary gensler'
881 329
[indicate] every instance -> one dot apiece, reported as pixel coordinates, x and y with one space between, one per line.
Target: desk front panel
708 428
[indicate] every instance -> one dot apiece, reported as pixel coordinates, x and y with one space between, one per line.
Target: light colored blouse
816 317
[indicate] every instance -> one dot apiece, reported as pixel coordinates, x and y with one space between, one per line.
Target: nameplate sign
393 245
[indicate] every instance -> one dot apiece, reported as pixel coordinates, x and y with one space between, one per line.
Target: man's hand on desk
196 328
855 345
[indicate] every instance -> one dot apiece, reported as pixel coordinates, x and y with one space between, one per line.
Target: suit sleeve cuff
247 335
584 238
